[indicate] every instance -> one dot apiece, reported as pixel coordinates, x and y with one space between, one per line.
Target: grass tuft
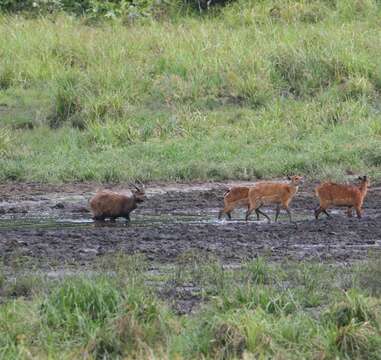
356 308
228 341
79 303
5 143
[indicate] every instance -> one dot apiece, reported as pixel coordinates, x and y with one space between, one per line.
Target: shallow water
44 223
47 221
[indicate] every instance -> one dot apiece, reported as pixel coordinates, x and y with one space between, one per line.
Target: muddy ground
52 225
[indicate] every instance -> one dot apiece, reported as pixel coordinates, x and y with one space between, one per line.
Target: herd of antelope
281 194
109 204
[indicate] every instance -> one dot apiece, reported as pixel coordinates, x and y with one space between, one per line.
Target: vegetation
258 89
98 10
262 310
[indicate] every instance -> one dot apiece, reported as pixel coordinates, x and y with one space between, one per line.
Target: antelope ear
360 178
365 177
289 177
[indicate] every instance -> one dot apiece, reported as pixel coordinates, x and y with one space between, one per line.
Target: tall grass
261 89
117 314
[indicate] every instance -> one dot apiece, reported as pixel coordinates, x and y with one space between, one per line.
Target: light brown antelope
341 195
266 193
235 196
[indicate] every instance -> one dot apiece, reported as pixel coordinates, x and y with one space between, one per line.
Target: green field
258 89
255 89
260 311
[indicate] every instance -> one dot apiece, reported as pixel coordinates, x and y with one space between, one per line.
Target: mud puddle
38 221
141 220
53 226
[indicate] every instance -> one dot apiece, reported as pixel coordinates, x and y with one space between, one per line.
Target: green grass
260 310
262 89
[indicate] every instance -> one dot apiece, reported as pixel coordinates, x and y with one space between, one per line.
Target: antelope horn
133 185
140 183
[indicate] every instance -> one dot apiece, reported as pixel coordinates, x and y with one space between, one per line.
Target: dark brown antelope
109 204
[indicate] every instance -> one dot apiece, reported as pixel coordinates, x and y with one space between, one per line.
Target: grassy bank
262 89
284 311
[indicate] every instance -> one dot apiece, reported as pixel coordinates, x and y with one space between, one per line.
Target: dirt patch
52 225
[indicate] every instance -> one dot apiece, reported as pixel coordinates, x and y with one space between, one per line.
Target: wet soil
52 225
